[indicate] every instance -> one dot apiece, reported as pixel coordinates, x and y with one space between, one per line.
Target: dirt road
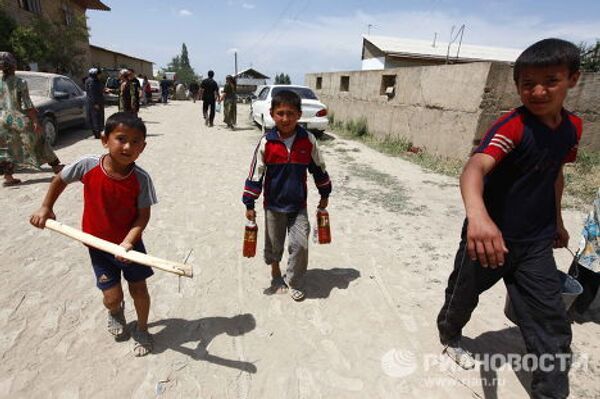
366 330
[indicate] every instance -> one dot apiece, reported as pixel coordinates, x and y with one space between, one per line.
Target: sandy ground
366 330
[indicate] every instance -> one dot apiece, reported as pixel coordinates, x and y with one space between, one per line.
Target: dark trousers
533 284
96 118
205 105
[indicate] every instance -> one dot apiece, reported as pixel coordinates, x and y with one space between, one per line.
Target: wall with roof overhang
444 108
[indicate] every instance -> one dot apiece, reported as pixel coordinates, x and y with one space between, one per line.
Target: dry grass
582 178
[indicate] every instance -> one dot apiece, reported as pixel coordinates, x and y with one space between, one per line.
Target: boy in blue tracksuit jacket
280 162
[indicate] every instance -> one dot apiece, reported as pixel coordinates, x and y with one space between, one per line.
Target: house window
319 82
388 85
345 83
33 6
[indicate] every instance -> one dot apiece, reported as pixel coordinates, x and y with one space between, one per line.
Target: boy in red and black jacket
281 160
512 188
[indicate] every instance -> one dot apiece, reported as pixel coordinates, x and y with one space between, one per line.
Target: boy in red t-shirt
117 199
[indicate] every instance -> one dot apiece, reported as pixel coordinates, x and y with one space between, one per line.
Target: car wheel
318 133
50 131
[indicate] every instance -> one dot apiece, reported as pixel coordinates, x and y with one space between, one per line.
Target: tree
7 26
52 44
590 56
180 64
282 79
184 60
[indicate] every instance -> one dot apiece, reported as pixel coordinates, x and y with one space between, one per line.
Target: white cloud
185 13
248 6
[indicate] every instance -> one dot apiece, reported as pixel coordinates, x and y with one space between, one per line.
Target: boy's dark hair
211 74
548 52
287 97
124 118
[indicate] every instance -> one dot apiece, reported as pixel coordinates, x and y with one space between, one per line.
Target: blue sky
300 36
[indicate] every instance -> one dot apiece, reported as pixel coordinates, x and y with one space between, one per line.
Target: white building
382 52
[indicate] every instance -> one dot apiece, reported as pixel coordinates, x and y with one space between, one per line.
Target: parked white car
314 112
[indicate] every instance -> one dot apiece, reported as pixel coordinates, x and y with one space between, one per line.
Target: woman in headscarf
229 102
95 102
22 141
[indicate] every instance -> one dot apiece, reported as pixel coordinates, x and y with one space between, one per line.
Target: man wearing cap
95 101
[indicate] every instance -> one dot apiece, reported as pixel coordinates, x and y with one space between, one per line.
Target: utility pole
369 26
235 62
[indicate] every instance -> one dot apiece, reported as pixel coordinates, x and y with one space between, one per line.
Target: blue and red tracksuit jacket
283 172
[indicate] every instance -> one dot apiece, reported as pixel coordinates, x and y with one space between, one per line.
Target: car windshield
37 85
112 83
304 92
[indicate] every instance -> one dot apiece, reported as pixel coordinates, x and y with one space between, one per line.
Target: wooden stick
117 250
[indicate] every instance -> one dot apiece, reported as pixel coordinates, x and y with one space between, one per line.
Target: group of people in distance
511 186
208 92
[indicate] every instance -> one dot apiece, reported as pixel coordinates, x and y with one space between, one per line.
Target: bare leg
279 287
141 301
113 298
113 301
142 341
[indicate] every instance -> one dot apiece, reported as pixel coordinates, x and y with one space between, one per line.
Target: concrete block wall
445 109
436 107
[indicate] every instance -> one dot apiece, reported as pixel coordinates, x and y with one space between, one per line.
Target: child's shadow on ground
177 332
500 343
318 283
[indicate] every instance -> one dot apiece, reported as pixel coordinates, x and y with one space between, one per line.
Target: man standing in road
209 92
94 89
164 89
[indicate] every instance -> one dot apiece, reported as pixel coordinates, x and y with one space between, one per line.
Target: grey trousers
298 228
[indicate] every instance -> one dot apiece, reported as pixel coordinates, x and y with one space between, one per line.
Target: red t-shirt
110 205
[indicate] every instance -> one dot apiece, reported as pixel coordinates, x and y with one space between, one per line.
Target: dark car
111 85
59 101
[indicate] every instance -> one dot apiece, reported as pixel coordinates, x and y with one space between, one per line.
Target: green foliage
184 59
583 177
7 26
180 64
282 79
357 128
52 44
590 56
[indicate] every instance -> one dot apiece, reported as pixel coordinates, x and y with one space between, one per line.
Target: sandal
142 343
116 322
13 182
296 294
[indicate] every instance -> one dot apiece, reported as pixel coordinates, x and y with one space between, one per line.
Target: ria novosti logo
399 363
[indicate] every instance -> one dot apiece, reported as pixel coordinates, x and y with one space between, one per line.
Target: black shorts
108 269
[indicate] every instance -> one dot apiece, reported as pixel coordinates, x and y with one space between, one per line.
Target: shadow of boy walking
177 332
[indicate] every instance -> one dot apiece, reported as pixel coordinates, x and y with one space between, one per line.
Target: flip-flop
142 343
13 182
116 324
